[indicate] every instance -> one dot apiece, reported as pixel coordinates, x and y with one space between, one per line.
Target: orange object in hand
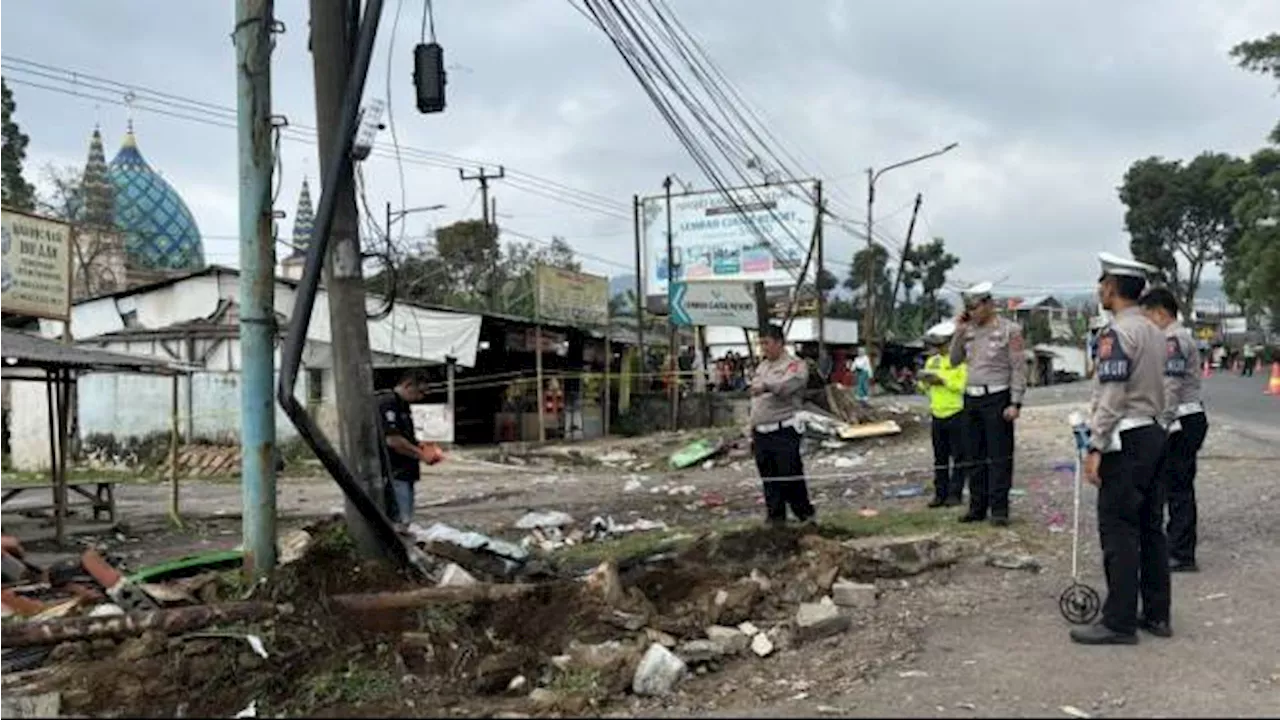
430 453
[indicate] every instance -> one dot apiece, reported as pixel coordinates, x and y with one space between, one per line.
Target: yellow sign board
572 297
37 266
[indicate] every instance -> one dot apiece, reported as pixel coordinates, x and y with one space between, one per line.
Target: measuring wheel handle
1079 604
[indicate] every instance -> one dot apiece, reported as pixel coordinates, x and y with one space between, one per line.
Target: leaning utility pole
252 37
483 177
333 37
906 254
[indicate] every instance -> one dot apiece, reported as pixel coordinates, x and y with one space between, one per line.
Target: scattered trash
1017 492
867 512
1012 561
255 642
1215 596
616 457
712 499
1074 711
904 491
249 712
913 674
847 461
966 706
633 485
854 432
694 453
1064 467
106 610
545 519
455 576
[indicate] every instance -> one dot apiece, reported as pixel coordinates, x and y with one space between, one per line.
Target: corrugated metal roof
23 351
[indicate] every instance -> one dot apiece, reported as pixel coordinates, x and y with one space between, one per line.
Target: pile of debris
551 530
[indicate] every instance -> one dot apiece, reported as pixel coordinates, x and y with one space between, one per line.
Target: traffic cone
1207 370
1273 385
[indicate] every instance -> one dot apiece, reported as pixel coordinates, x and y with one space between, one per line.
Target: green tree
1180 216
875 258
16 192
1261 56
1251 273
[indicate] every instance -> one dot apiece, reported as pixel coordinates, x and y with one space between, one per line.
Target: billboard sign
711 240
717 302
572 297
36 266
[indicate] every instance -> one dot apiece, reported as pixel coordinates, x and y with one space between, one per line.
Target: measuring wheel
1079 604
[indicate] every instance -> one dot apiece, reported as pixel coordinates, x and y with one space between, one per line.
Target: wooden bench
100 494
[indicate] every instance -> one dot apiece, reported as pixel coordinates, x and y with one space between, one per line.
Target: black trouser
1249 364
991 452
1135 553
1178 474
948 457
778 456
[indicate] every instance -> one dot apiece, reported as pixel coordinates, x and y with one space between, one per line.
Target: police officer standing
1186 423
997 379
944 384
1125 448
777 392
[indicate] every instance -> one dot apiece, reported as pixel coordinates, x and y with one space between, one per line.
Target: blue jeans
864 384
402 495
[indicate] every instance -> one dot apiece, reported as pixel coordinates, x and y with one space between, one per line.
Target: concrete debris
1075 712
761 645
1013 561
44 705
887 557
657 636
732 640
601 657
815 621
696 652
455 576
633 485
546 519
106 610
658 672
616 457
748 629
517 684
847 593
762 580
543 698
561 662
846 461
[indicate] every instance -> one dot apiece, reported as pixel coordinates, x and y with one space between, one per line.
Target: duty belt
775 427
980 390
1132 423
1189 408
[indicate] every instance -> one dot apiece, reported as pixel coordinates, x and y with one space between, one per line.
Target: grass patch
581 682
355 686
16 478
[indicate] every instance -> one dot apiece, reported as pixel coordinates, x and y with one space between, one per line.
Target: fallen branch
167 622
422 597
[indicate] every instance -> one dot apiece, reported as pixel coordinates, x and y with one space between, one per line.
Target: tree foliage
1251 273
16 192
1179 216
469 267
1261 56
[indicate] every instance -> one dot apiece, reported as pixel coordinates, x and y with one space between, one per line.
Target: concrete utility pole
252 39
671 318
817 276
906 252
868 314
483 177
333 35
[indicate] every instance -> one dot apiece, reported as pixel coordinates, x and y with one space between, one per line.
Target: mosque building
140 226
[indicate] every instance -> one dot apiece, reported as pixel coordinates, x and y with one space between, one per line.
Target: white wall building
193 320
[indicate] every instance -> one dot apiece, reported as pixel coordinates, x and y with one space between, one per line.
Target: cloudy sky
1050 102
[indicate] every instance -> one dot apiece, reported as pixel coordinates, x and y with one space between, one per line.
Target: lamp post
868 316
394 216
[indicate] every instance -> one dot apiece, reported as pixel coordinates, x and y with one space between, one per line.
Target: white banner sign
715 302
711 240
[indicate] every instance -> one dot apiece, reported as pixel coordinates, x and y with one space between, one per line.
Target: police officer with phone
997 379
1126 444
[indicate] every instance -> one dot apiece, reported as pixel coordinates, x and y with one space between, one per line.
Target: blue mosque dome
160 232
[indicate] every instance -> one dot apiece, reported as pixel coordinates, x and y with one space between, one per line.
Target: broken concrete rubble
455 576
847 593
696 652
815 621
761 645
733 641
1013 561
658 672
888 557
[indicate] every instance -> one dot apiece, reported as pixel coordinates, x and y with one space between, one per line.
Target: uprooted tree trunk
167 622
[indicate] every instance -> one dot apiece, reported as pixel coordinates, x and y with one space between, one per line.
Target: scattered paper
1074 711
255 642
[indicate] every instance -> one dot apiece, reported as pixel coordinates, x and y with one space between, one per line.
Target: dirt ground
966 640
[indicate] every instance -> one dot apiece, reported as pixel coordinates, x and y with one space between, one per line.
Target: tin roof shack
46 373
193 320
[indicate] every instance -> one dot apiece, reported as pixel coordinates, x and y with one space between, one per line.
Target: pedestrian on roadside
862 374
1250 353
404 455
777 392
1126 445
1185 421
994 350
944 384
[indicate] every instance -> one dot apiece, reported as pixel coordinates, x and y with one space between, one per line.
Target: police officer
777 391
403 453
1186 423
993 348
944 384
1125 448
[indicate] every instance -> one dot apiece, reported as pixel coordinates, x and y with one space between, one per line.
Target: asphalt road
1242 401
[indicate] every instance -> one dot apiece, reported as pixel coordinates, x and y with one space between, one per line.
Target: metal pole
817 281
640 296
254 19
608 387
868 302
539 395
671 320
174 513
450 368
906 251
49 380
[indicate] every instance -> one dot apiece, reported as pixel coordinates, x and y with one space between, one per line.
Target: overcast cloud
1050 102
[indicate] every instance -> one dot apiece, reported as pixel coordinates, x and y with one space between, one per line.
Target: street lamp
400 214
868 318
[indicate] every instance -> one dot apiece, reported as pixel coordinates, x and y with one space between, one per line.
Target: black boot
937 502
1099 634
1159 628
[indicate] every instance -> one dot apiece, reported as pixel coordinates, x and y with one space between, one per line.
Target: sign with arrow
718 302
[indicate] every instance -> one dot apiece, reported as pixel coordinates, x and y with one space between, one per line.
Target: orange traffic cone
1273 385
1207 370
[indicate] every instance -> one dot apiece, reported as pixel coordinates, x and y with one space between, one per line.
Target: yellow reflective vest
946 399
